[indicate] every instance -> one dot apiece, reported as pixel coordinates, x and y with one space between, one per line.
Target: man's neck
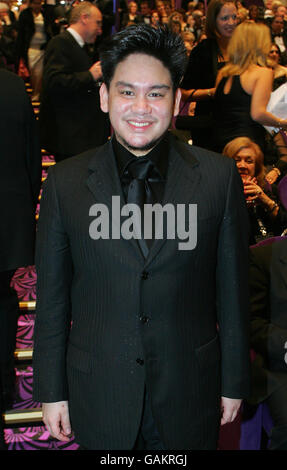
77 28
75 31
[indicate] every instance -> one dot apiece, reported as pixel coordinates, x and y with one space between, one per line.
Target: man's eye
155 94
126 92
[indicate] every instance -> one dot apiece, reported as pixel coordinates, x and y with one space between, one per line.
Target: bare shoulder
264 71
261 73
255 75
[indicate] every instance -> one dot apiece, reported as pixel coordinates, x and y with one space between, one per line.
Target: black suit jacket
20 160
70 117
175 321
268 291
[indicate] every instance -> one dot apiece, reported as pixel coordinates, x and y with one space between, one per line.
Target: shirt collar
159 156
76 36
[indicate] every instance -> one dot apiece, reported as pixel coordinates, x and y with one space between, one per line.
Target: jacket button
144 275
140 361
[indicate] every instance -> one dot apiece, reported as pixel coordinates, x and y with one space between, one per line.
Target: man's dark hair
160 43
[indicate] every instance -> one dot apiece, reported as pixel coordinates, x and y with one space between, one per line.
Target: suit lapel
104 182
182 181
103 179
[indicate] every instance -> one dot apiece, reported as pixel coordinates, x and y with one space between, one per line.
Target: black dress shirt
159 156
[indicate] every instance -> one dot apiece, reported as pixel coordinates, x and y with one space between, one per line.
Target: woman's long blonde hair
249 45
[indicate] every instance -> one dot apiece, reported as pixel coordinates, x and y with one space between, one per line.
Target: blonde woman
243 88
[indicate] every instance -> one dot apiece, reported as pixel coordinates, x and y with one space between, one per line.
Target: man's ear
104 98
84 18
177 99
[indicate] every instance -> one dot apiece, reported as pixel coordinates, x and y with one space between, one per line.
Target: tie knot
140 168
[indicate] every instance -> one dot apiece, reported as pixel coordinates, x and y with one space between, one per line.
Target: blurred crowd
29 25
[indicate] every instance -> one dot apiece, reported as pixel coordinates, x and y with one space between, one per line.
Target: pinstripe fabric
188 361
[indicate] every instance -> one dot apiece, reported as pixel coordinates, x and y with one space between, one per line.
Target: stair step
22 416
27 305
23 354
47 164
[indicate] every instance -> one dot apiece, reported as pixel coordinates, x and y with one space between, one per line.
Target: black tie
139 174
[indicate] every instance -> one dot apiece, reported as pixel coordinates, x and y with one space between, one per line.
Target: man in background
71 120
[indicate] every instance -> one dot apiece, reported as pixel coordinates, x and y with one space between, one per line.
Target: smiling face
140 102
274 53
226 20
246 161
281 11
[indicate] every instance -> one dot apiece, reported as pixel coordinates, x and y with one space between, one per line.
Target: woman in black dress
244 87
204 62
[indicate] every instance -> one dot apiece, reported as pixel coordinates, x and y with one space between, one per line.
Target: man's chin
140 148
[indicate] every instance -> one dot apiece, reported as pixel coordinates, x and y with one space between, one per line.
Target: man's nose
141 105
99 27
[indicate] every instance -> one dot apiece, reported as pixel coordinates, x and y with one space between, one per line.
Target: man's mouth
139 124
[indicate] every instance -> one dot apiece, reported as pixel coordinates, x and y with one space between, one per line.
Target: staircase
24 428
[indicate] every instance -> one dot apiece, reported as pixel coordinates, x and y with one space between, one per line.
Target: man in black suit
20 181
141 339
145 11
279 35
71 120
268 294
